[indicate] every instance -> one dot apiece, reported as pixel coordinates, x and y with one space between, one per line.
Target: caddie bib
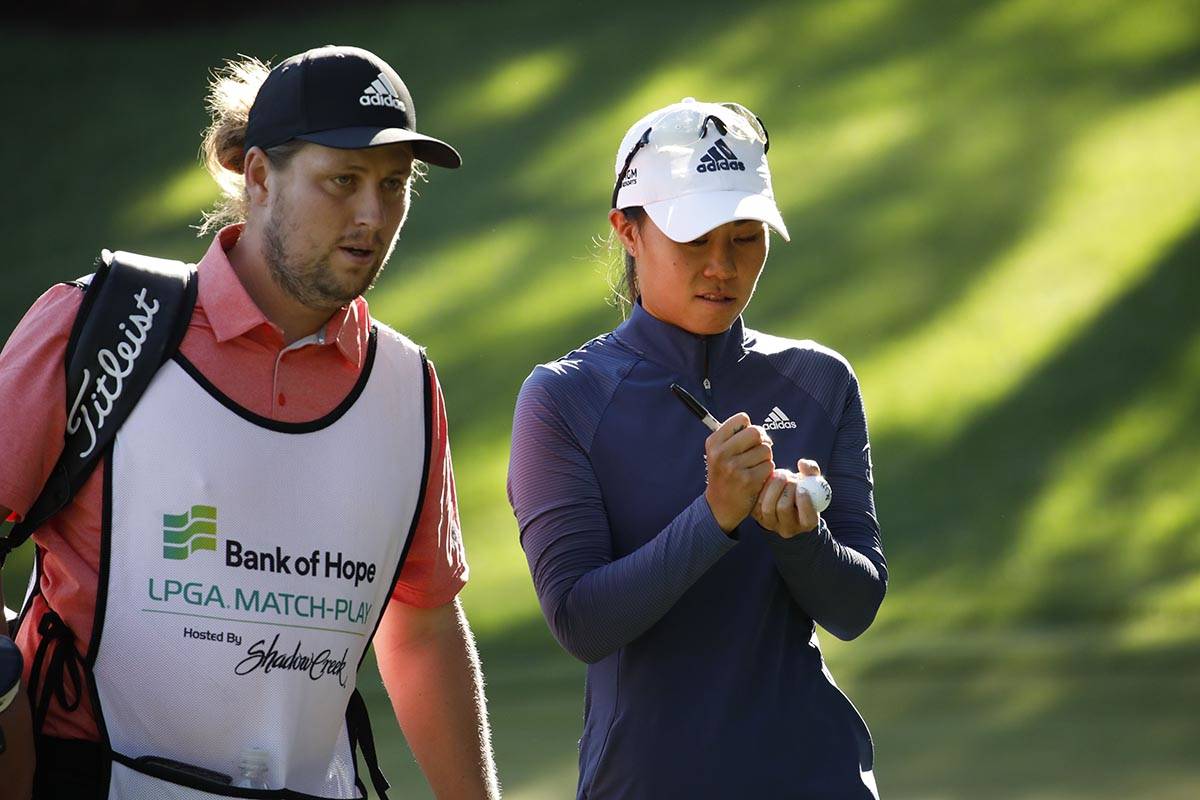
245 565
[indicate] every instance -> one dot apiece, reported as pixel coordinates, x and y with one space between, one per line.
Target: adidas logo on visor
720 158
380 93
777 421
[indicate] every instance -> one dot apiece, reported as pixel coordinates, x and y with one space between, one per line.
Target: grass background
995 215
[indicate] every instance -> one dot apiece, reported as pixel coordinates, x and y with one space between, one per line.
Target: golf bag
100 392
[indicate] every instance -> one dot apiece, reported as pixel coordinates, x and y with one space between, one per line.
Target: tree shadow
957 509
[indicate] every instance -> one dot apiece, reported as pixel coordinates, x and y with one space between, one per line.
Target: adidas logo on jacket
777 420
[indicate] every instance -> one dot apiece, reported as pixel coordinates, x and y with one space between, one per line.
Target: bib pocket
149 779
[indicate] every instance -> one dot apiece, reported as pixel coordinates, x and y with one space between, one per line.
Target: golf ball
818 490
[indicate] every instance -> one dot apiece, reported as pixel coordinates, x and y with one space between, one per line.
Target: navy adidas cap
343 97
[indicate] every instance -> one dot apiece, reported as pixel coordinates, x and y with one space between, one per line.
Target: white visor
692 176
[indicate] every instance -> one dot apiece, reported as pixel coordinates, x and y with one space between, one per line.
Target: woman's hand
738 456
782 508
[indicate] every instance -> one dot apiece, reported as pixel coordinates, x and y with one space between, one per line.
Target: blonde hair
231 92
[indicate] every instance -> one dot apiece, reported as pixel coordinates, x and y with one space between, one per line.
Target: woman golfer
684 567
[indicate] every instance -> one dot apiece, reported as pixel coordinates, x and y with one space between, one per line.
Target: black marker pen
702 413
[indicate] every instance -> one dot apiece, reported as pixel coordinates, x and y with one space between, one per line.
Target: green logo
184 534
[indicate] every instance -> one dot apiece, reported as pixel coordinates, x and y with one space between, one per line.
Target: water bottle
252 767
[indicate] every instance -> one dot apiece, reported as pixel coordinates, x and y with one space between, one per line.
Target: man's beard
311 281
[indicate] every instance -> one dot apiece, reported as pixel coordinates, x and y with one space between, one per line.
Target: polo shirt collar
349 328
232 313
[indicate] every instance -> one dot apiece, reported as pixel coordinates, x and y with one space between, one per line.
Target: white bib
245 567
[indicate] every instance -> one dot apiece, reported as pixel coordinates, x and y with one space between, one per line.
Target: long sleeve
594 603
837 573
682 626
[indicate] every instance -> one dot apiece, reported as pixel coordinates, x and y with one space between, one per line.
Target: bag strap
362 739
134 314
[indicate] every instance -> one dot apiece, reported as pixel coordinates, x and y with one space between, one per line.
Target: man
281 493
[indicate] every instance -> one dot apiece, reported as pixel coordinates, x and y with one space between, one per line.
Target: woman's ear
626 229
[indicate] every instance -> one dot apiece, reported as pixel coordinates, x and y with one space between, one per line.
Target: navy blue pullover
705 678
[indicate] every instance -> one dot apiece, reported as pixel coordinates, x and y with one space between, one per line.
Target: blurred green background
995 215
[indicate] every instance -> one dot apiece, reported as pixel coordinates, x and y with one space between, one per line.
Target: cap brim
426 148
690 216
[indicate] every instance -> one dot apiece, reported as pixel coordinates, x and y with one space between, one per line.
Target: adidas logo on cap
720 158
777 421
380 93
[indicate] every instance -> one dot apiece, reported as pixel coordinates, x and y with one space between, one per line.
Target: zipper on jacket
706 383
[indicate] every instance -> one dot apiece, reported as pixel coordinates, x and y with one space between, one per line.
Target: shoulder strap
134 314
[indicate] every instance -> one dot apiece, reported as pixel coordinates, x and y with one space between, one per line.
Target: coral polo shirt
244 355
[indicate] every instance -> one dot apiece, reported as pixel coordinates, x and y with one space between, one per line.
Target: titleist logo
114 368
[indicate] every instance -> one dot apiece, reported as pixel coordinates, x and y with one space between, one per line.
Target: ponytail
231 93
623 283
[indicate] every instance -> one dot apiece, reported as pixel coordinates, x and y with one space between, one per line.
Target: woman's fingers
753 457
729 428
771 499
743 480
806 514
785 505
783 508
738 457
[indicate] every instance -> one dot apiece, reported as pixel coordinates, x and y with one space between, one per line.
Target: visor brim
690 216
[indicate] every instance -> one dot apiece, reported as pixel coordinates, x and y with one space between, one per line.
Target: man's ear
256 170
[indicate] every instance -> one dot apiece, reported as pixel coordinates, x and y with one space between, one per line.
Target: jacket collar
689 354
